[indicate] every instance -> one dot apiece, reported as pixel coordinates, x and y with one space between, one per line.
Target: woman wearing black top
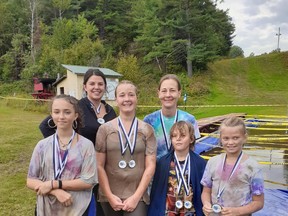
95 112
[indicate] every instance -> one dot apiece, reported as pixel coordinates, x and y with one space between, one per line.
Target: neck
232 157
169 112
64 133
94 102
127 118
181 155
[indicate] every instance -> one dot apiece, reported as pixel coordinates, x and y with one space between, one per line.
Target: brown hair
125 82
233 121
167 77
180 125
72 100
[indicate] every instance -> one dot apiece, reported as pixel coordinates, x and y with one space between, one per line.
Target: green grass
260 80
19 135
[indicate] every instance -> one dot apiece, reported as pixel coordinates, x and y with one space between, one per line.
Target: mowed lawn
19 134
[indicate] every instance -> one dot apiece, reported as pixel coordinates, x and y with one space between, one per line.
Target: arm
150 164
256 204
206 200
45 188
115 202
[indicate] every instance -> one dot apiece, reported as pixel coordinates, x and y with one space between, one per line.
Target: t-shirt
155 121
173 196
81 164
124 182
246 181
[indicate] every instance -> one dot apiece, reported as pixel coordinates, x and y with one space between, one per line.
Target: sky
257 23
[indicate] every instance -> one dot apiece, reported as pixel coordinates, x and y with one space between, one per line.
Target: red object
43 88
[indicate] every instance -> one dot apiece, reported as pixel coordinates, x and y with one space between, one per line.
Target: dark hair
72 100
180 125
233 121
167 77
90 72
125 82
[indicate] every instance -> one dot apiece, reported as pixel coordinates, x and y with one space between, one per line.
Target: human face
232 139
95 88
126 98
63 114
169 93
181 140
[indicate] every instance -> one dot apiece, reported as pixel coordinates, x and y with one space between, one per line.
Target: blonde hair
233 121
180 126
126 82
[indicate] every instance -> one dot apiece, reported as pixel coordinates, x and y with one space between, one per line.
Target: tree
197 25
236 52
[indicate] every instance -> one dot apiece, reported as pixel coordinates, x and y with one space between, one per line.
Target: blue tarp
275 203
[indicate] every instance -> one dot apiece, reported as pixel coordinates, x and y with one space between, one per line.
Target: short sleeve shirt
154 120
246 181
124 182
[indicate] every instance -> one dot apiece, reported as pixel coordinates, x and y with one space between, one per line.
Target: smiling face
233 139
169 93
63 114
126 98
95 88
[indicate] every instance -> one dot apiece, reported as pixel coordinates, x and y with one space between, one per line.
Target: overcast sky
257 23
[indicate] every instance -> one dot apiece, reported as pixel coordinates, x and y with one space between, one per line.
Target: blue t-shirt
155 121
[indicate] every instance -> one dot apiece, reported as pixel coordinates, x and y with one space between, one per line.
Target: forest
133 37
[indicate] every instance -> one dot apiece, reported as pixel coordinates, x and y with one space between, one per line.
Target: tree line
143 36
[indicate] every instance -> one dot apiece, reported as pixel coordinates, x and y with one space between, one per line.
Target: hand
115 202
63 197
229 211
130 204
207 209
43 188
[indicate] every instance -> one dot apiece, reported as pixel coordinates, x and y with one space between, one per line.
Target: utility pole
278 35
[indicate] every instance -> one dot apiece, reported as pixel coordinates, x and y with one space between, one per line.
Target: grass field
19 134
251 85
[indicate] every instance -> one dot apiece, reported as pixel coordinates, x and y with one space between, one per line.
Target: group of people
93 162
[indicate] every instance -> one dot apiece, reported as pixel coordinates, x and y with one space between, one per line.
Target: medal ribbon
58 162
133 130
220 191
166 135
96 110
180 171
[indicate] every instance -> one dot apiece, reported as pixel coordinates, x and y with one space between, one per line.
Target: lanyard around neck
133 130
166 135
220 191
180 173
59 162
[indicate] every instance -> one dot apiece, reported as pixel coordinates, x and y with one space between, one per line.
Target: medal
188 204
128 144
101 121
179 204
122 164
216 208
132 164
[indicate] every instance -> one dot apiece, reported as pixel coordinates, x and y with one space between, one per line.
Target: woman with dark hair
95 112
62 165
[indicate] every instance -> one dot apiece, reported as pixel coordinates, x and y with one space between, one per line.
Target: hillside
254 80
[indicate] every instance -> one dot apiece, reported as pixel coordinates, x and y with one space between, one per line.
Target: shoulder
151 115
185 115
215 159
145 127
197 158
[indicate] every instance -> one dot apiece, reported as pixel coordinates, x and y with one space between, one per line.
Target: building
72 82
